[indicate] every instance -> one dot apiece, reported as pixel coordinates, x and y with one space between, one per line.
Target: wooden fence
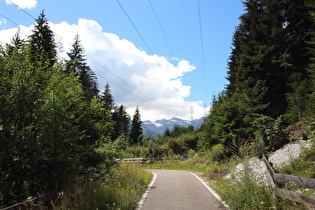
38 202
276 180
48 200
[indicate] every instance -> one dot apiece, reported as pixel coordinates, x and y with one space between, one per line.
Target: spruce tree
298 28
311 68
136 129
42 42
121 122
255 73
77 64
108 99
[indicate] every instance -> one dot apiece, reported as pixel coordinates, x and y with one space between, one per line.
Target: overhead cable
202 50
157 18
10 20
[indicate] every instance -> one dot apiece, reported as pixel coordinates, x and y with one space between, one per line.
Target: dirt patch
218 172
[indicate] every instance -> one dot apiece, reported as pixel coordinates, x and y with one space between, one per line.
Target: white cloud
135 78
24 4
3 22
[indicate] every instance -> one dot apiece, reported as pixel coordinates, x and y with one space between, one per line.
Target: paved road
179 190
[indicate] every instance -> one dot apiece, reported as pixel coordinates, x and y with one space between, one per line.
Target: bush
136 152
270 134
218 153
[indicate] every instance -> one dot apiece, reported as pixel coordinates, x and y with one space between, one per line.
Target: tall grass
246 194
122 188
303 166
203 164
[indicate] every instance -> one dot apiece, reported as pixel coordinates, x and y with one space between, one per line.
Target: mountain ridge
159 126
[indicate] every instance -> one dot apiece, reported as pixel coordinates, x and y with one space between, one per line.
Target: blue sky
165 77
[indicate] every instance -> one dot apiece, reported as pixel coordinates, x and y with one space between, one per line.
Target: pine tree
136 129
299 24
42 42
257 80
108 99
311 68
255 73
77 64
121 122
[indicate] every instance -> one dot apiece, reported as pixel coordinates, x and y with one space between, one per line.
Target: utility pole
192 117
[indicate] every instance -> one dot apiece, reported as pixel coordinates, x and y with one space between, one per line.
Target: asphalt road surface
176 190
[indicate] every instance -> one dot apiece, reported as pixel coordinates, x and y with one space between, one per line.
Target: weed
303 166
122 188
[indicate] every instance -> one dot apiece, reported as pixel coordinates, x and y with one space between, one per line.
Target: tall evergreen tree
267 68
299 26
108 99
136 129
77 64
254 69
121 122
42 42
311 67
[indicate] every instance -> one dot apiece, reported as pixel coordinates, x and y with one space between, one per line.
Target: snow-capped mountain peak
159 126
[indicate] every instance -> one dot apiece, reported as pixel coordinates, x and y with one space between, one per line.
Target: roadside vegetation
121 188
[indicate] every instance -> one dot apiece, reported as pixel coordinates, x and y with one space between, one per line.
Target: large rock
256 169
289 152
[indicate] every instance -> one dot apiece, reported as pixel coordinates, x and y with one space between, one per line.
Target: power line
121 6
157 18
135 27
168 44
95 13
202 50
22 10
10 20
103 67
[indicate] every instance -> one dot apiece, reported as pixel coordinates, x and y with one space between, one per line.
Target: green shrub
245 194
270 134
136 152
218 153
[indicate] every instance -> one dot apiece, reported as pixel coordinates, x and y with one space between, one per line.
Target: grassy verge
304 166
122 188
246 194
194 164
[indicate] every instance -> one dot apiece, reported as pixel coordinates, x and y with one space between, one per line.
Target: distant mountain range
159 126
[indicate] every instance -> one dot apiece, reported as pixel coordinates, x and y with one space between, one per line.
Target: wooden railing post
275 178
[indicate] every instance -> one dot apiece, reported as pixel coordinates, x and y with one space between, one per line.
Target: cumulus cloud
24 4
136 78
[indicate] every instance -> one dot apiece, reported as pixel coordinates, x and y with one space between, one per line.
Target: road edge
215 194
144 196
